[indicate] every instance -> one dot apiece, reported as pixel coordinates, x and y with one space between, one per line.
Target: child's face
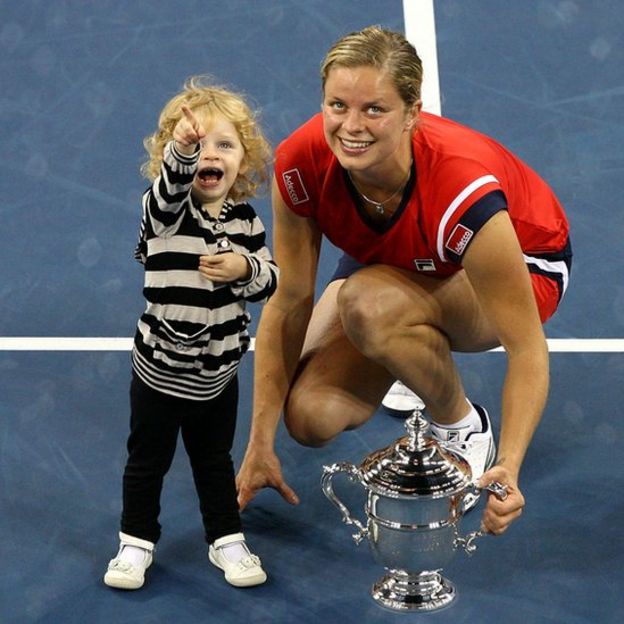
220 160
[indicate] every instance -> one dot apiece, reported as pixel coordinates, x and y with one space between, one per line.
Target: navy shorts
346 266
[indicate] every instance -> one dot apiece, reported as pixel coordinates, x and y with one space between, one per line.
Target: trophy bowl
415 495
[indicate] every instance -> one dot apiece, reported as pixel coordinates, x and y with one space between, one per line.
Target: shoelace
453 445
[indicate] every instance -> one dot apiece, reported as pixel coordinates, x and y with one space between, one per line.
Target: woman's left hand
499 514
226 267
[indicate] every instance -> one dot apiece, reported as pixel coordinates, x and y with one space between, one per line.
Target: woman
453 244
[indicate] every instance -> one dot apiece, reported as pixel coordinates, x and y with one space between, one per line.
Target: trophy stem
404 591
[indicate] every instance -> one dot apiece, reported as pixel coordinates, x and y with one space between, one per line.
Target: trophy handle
328 490
498 489
468 542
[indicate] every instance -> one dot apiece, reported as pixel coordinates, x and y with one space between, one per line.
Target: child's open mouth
209 176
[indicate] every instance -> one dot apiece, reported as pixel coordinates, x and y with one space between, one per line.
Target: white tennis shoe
477 448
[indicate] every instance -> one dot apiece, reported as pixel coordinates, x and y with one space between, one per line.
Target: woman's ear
413 115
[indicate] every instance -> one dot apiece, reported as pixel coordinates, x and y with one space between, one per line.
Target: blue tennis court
83 83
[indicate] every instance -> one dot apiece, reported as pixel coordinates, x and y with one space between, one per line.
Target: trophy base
405 591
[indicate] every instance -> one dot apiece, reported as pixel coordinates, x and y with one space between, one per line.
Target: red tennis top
460 178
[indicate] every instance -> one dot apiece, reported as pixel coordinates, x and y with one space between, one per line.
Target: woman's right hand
261 469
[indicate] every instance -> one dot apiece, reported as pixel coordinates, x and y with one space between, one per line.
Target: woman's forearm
279 340
524 397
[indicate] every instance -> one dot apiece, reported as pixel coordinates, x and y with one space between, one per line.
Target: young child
205 255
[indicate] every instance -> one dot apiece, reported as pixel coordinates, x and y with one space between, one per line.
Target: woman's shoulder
306 140
446 139
303 163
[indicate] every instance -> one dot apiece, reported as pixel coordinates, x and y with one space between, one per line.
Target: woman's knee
372 313
309 420
361 310
317 413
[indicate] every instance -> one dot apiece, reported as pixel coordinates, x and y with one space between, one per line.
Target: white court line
50 343
583 345
420 32
53 343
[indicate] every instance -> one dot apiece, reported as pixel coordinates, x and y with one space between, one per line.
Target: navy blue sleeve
471 222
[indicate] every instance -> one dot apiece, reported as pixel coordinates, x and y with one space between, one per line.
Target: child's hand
188 131
226 267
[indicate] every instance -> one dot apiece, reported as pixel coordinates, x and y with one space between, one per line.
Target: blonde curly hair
202 95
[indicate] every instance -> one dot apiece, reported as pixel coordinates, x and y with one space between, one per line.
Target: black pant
207 431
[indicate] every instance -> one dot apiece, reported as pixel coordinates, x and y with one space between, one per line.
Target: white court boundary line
420 30
421 33
49 343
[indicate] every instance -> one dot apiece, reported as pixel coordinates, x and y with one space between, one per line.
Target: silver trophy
416 491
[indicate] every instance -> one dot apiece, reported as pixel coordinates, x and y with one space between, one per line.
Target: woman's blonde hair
384 49
206 98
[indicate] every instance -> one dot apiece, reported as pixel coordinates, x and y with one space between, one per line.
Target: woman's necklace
379 205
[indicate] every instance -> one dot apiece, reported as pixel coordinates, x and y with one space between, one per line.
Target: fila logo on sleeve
294 186
459 238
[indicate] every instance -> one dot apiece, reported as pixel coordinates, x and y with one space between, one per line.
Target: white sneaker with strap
240 571
476 447
123 574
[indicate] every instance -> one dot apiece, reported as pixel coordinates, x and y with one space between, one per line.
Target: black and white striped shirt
193 332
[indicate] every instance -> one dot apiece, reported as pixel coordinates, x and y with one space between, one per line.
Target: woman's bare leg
378 325
336 387
409 324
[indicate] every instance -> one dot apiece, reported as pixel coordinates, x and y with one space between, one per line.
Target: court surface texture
82 84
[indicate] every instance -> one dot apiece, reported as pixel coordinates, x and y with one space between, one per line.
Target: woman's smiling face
364 118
